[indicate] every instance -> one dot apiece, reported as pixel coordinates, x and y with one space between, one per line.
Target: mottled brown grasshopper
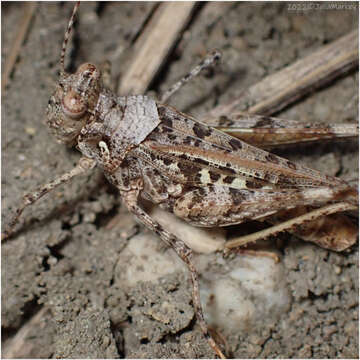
147 149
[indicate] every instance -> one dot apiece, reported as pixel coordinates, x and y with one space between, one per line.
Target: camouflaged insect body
202 175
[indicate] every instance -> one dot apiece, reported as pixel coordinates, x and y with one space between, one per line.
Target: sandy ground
65 265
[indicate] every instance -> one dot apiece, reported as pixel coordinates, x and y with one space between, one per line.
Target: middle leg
183 251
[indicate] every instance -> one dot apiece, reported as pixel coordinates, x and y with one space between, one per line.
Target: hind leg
223 206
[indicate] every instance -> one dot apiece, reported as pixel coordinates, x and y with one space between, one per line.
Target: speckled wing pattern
236 180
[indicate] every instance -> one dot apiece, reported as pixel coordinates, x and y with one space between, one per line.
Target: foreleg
82 167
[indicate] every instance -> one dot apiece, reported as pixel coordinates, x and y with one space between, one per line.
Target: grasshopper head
73 102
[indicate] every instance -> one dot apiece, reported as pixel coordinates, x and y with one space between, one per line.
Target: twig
154 44
278 90
29 9
20 346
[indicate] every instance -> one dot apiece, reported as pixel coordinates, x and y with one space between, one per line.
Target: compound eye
73 105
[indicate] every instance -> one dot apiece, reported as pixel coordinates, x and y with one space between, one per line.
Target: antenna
66 38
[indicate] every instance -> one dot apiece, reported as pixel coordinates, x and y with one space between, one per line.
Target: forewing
267 132
193 153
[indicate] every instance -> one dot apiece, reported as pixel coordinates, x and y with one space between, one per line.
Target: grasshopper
148 149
